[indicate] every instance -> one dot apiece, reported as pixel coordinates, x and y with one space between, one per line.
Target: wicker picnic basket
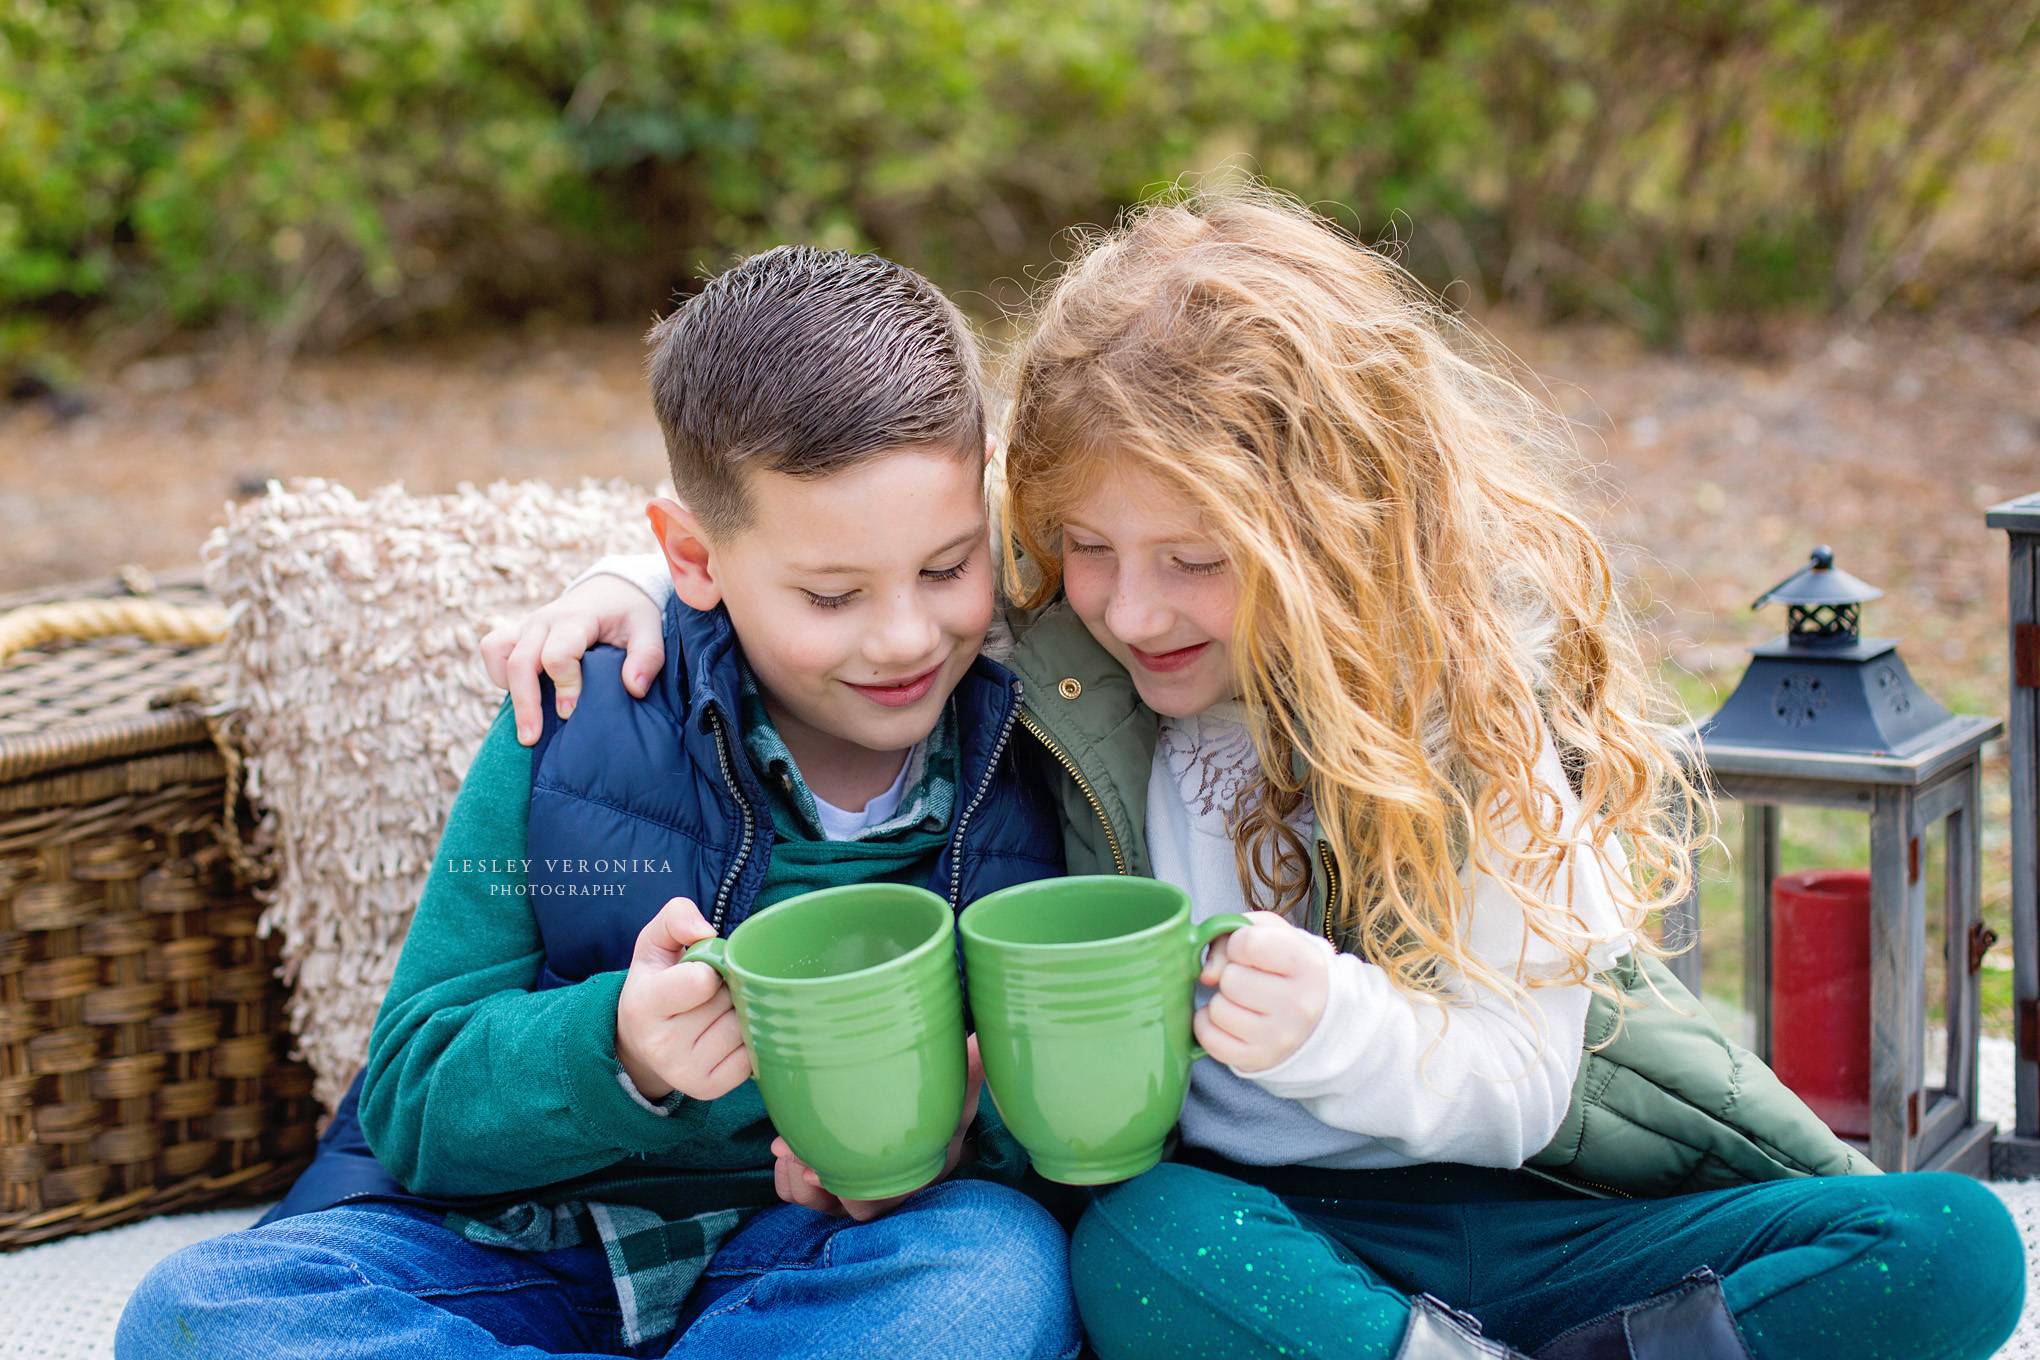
143 1049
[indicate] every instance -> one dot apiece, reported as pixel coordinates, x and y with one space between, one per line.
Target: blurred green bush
317 170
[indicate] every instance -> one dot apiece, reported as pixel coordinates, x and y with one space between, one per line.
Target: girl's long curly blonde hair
1412 592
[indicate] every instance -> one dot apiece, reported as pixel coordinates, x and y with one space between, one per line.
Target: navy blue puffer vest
659 795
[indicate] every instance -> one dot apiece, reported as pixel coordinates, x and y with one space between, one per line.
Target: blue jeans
961 1268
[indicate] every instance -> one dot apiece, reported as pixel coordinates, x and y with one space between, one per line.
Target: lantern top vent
1823 603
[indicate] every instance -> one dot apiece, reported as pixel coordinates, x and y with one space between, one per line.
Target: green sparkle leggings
1191 1259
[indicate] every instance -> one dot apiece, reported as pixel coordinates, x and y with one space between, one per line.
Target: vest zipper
984 787
1111 839
722 892
1331 888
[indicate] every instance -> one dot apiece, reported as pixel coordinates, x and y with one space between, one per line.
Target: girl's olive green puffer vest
1671 1105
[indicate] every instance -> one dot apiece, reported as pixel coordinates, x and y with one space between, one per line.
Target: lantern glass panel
1721 918
1811 837
1934 879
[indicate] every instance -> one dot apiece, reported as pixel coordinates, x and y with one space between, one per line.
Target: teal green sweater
479 1085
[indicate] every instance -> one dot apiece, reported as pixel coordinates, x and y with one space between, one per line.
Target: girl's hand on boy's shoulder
554 637
797 1183
1274 981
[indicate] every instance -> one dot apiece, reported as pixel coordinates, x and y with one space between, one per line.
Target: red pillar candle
1820 993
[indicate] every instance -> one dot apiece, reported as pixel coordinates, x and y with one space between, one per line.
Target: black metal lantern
1822 686
1827 718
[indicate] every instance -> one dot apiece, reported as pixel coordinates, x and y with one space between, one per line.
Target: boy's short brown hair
807 361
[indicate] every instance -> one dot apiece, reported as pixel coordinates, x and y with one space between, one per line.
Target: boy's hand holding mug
676 1023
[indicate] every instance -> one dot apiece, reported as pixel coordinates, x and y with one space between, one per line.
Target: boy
567 1148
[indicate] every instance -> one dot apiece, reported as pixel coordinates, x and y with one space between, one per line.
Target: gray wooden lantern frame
1911 1129
2018 1153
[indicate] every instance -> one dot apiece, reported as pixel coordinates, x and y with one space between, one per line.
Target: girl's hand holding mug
1273 982
798 1184
676 1023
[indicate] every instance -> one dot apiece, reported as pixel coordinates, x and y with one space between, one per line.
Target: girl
1306 628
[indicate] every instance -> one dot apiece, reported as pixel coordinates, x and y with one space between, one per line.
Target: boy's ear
688 555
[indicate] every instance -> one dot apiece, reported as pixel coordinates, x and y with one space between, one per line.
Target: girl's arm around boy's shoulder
647 571
476 1083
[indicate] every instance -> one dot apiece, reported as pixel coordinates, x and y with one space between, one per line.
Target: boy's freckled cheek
813 656
972 627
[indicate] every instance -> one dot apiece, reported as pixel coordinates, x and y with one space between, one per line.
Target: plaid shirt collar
925 804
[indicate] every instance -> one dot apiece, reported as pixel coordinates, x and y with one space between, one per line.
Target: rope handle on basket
223 725
80 620
158 621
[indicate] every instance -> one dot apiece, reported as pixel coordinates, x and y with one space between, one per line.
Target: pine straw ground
1718 470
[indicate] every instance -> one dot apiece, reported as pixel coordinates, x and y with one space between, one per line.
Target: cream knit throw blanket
353 625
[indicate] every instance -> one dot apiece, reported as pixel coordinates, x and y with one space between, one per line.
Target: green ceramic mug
851 1007
1082 990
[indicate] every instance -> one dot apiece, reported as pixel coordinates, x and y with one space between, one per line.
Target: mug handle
712 951
1209 929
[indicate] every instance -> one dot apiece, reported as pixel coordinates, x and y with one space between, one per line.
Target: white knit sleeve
647 571
1482 1079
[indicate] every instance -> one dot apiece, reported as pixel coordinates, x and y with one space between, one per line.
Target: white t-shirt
839 825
